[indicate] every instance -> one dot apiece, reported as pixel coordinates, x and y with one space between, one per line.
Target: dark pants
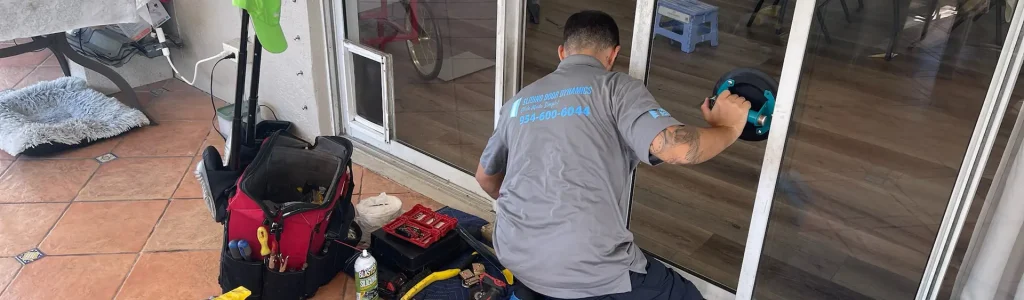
660 283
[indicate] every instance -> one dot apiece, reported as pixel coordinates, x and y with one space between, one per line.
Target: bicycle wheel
425 51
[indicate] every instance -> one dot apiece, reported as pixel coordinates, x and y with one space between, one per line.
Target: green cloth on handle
266 19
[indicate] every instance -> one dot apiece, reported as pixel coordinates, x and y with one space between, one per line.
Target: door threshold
421 181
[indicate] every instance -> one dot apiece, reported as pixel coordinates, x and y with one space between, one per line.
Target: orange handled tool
261 234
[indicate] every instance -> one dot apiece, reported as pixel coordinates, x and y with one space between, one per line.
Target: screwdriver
261 234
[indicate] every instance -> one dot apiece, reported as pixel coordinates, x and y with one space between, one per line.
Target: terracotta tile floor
131 228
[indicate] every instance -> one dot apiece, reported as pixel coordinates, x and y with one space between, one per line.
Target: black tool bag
266 191
336 258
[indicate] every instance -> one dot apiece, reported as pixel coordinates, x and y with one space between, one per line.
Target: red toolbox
421 226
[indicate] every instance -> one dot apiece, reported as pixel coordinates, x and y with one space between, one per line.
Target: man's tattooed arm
675 138
686 145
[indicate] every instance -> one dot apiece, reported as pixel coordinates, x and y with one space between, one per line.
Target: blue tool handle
752 117
725 86
244 250
233 250
760 119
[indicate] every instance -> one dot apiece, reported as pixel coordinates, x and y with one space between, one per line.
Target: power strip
232 47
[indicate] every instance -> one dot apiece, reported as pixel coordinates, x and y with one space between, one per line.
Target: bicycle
422 37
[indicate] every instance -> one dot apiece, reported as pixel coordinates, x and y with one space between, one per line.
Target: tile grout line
8 167
62 214
122 253
68 207
89 201
30 72
159 220
22 267
120 287
111 152
359 188
190 166
77 194
344 288
182 179
138 255
149 156
9 284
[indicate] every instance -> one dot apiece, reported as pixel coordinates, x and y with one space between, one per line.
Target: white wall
206 25
140 71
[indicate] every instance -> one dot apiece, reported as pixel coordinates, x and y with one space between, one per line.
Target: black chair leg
897 26
821 23
860 5
533 11
754 14
1000 12
846 10
782 16
61 59
932 6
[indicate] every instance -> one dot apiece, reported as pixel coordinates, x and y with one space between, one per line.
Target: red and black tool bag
269 194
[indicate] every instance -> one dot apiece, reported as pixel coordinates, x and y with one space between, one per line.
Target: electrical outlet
231 46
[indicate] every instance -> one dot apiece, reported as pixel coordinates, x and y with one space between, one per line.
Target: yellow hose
508 276
436 276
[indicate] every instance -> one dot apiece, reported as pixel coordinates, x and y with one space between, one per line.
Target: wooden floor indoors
874 148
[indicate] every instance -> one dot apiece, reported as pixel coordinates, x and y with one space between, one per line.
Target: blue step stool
689 23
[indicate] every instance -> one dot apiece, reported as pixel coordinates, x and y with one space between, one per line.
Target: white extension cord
167 54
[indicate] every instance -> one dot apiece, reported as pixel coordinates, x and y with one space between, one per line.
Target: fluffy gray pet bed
60 114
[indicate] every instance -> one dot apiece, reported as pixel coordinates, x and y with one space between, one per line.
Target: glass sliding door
444 71
880 127
697 217
450 117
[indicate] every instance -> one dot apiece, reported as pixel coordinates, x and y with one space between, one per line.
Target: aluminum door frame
639 67
972 169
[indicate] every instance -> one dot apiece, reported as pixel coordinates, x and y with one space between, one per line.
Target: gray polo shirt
567 144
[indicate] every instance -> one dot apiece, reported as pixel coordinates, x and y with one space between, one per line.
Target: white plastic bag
374 212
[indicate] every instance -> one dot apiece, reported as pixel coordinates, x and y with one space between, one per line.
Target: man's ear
612 55
561 52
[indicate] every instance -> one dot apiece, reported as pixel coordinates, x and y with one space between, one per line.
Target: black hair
590 29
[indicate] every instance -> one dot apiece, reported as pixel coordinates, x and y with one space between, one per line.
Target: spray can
366 277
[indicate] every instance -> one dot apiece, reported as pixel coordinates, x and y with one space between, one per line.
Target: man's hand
693 145
730 111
